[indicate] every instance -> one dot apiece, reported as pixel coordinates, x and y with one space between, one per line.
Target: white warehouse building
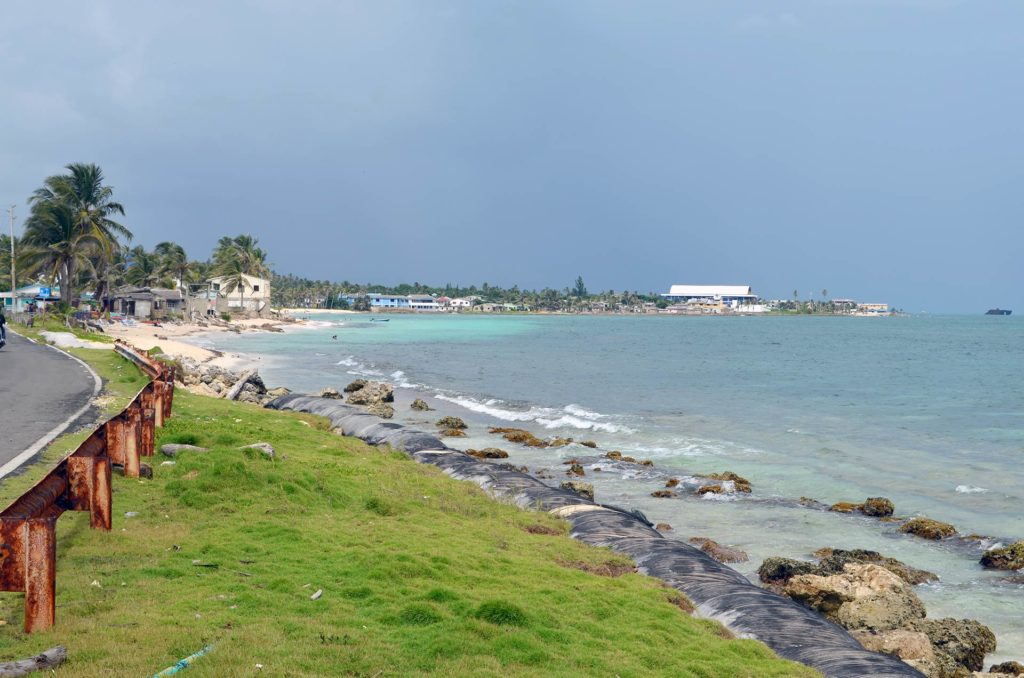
735 297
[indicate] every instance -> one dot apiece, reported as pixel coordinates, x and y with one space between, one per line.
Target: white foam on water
970 489
347 362
547 417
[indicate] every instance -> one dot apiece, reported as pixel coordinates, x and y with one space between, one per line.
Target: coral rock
585 490
879 507
1007 558
926 528
862 597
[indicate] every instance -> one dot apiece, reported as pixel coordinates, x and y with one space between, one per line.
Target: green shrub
379 506
226 317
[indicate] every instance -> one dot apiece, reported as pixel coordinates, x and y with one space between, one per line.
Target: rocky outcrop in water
861 597
1006 558
450 422
371 393
420 405
330 392
488 453
585 490
926 528
960 645
723 554
834 560
216 382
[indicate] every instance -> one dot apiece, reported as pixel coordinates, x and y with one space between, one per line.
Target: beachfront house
462 303
423 302
146 303
252 298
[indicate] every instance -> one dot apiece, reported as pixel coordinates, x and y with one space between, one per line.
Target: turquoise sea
925 410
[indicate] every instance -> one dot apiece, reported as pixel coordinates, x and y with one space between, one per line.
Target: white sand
172 338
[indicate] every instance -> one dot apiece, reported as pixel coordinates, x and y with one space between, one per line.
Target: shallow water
928 411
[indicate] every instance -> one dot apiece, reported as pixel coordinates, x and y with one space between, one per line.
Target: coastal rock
585 490
576 470
172 449
488 453
264 448
588 443
356 385
862 597
559 442
663 527
926 528
452 433
723 554
450 422
278 392
518 435
845 507
812 503
420 405
614 455
777 571
834 560
329 392
1006 558
957 642
740 483
663 494
1008 669
709 489
878 507
672 482
911 646
382 410
371 393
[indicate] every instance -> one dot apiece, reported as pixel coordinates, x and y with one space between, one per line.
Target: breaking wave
570 416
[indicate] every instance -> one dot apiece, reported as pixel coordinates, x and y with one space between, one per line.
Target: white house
462 303
251 298
721 296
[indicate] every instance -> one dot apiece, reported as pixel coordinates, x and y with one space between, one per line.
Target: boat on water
380 320
998 311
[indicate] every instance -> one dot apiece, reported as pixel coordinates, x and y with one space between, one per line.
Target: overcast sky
870 147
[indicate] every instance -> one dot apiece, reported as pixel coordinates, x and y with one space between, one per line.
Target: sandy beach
179 339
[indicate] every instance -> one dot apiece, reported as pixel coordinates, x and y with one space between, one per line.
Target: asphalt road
40 388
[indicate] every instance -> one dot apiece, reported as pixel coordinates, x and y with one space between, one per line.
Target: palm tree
144 269
234 278
252 259
70 222
173 262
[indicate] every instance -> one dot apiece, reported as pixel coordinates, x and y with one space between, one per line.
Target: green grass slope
419 574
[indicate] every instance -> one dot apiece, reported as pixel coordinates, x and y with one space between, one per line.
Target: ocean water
928 411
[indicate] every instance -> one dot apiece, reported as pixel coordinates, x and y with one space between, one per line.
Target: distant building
252 297
36 296
146 303
874 309
714 298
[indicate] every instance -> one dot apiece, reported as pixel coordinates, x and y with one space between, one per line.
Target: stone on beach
371 393
382 410
450 422
834 560
926 528
576 470
172 449
777 571
723 554
957 643
420 405
663 494
861 597
452 433
488 453
908 645
740 483
1008 669
585 490
330 392
354 386
1006 558
518 435
266 449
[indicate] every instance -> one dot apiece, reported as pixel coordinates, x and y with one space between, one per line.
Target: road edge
34 449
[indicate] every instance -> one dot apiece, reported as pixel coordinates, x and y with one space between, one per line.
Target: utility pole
14 299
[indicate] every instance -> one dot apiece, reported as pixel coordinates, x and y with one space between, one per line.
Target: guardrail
79 482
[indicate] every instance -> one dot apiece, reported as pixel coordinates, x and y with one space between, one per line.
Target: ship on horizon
998 311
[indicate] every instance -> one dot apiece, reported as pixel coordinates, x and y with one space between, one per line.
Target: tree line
292 291
72 241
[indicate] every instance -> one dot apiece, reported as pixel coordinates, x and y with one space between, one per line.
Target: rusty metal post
101 505
115 432
158 403
148 439
169 373
41 571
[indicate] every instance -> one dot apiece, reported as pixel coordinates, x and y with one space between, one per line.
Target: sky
871 148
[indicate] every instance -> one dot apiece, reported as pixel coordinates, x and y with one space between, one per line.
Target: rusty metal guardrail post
79 482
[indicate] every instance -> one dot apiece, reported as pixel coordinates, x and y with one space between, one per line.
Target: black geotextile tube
719 592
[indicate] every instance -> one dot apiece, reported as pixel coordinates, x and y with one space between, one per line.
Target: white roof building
710 291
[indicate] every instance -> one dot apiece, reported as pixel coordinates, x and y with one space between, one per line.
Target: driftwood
242 381
50 659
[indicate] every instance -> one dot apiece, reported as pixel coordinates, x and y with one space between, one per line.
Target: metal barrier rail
79 482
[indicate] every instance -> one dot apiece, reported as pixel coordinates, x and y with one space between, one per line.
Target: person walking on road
3 328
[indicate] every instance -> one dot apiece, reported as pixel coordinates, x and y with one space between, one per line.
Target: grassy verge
419 574
121 381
